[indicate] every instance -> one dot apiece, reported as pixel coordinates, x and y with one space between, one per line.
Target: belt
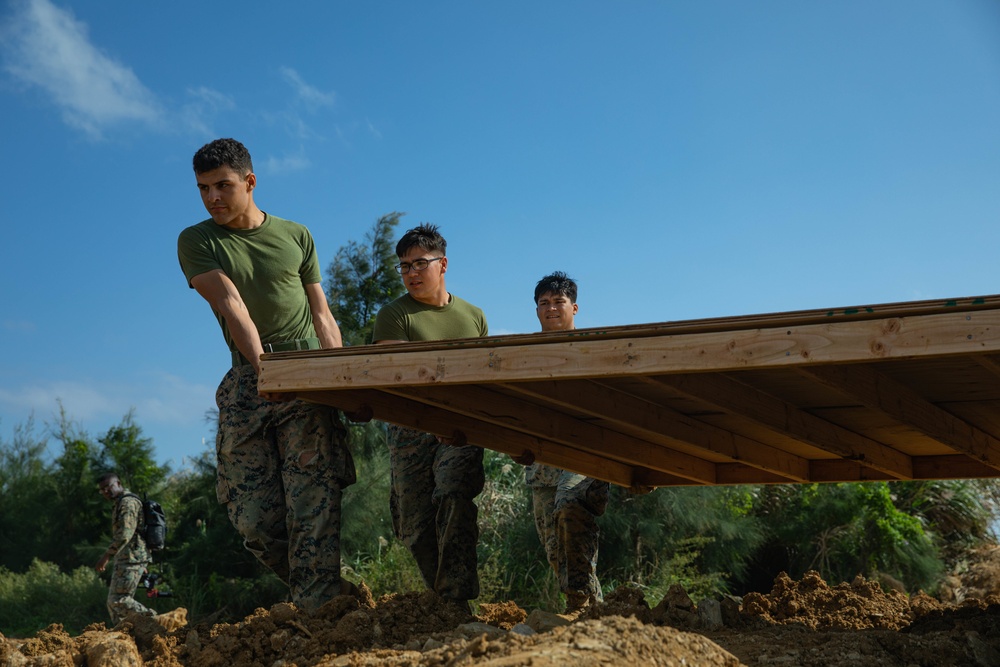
284 346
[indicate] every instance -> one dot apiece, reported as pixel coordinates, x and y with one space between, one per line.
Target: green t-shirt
269 266
410 320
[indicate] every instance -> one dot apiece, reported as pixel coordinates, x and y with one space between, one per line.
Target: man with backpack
128 549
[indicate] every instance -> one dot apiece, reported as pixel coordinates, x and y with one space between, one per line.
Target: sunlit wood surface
884 392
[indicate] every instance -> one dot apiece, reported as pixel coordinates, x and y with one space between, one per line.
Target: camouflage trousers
125 579
282 468
433 509
566 520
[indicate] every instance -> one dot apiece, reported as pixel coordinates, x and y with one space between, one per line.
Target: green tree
126 452
26 486
362 278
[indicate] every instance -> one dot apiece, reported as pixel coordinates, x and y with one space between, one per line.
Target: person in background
434 483
566 505
282 463
127 548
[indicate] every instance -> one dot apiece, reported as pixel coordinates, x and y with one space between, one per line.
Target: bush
43 595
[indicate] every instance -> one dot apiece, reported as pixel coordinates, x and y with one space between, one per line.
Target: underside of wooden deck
886 392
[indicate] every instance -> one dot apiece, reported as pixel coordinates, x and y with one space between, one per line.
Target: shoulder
285 225
202 230
129 502
462 303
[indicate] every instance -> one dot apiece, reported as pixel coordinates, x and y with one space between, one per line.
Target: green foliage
512 563
366 523
43 595
697 536
126 452
211 597
27 487
361 279
842 530
391 569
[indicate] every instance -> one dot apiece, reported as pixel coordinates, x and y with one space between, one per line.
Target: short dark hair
223 153
424 236
556 282
107 477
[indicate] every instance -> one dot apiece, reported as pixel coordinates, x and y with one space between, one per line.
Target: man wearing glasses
433 483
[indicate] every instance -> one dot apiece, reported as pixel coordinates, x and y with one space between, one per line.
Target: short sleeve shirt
269 266
410 320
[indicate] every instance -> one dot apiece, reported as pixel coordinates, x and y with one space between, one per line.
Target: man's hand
102 563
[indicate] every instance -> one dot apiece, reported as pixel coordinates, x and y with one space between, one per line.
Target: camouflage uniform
282 468
130 558
433 513
566 507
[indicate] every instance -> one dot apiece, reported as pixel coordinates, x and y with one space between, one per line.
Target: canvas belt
284 346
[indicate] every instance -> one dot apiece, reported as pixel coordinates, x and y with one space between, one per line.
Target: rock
523 629
476 629
710 614
543 621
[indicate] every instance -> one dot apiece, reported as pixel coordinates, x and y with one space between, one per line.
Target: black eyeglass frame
417 265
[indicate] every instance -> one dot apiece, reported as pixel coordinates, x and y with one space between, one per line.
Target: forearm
327 329
328 332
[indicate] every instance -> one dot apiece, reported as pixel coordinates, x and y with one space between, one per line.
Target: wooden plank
660 424
728 394
392 409
835 342
490 407
880 392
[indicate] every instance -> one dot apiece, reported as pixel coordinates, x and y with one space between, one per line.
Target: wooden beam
514 414
416 415
463 362
880 392
728 394
660 424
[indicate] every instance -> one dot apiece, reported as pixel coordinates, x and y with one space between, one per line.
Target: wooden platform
886 392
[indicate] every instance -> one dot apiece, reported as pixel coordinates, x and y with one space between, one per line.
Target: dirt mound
804 622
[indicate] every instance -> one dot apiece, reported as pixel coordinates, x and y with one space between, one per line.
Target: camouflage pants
125 579
282 468
566 520
433 513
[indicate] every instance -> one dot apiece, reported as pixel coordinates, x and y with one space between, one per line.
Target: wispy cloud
309 95
203 105
165 399
286 163
48 48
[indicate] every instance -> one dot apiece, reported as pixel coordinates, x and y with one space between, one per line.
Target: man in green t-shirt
434 483
566 505
282 463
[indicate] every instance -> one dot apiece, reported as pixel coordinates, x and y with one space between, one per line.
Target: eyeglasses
417 265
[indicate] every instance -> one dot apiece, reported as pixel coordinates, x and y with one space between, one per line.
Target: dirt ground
805 622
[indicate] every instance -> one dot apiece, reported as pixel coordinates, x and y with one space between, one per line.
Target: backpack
154 523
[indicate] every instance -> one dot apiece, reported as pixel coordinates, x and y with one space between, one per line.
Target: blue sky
681 160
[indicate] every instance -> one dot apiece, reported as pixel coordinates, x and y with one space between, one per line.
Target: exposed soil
805 622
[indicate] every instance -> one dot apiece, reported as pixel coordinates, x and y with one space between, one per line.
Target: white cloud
312 97
204 104
46 47
277 165
165 399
